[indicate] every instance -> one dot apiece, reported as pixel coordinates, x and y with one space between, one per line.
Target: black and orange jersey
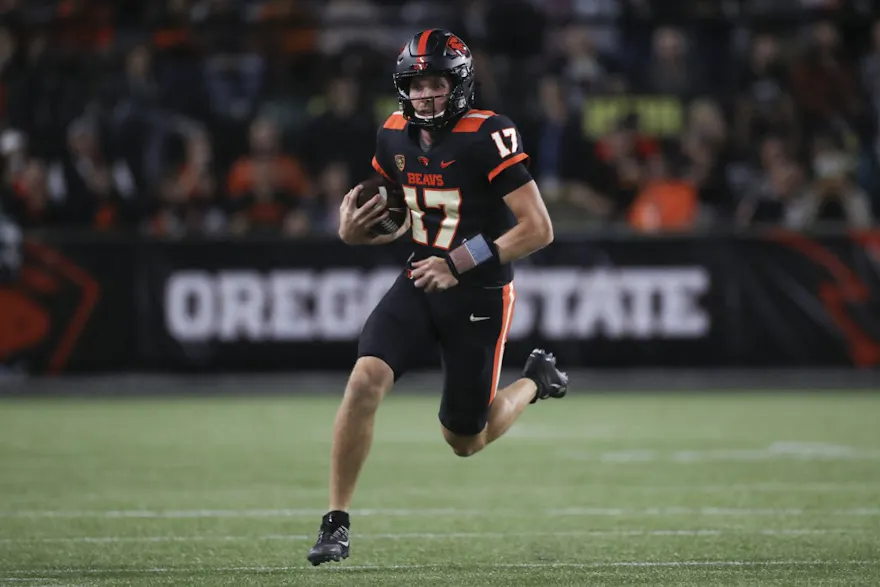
449 188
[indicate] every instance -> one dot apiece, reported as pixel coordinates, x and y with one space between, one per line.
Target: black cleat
541 368
333 541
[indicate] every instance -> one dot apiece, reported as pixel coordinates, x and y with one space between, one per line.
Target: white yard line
28 574
441 513
775 451
433 535
289 492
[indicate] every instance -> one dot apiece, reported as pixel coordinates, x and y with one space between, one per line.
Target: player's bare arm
355 223
533 230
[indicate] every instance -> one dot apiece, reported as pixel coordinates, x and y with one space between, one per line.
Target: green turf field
593 490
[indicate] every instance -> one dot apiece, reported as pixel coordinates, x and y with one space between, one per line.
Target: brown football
394 201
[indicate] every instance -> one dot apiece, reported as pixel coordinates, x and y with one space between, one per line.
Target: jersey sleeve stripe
472 120
507 163
508 296
395 122
378 168
468 124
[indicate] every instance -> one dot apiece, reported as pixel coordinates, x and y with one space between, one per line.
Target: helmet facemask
459 97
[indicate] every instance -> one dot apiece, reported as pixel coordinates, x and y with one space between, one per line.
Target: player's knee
464 446
370 379
466 450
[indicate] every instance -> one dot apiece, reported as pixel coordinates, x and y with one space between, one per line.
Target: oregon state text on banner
560 303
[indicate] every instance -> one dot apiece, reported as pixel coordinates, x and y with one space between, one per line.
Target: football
394 202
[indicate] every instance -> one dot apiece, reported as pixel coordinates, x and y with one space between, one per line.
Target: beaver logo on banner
46 301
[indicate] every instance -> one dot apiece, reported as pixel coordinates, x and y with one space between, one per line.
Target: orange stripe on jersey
395 122
423 42
472 121
378 168
508 296
505 164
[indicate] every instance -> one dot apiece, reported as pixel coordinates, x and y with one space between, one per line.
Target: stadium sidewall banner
777 299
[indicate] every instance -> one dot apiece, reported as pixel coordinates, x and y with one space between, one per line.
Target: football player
474 208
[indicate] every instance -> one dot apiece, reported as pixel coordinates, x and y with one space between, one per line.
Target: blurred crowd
229 117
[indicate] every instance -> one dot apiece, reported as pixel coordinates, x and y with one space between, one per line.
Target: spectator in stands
54 89
666 202
622 162
470 23
766 183
217 73
14 153
235 78
871 68
557 149
334 180
705 154
188 201
778 199
869 160
195 178
824 79
217 11
786 195
346 22
10 75
268 190
584 69
28 201
10 248
512 34
138 124
834 197
515 30
670 69
763 103
345 130
96 192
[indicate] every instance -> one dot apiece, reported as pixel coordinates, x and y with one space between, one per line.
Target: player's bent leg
505 408
473 350
508 405
541 379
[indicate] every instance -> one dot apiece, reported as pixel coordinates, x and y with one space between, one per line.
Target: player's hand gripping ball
391 200
370 210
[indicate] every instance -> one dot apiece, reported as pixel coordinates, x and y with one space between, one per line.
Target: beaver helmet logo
400 161
456 45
